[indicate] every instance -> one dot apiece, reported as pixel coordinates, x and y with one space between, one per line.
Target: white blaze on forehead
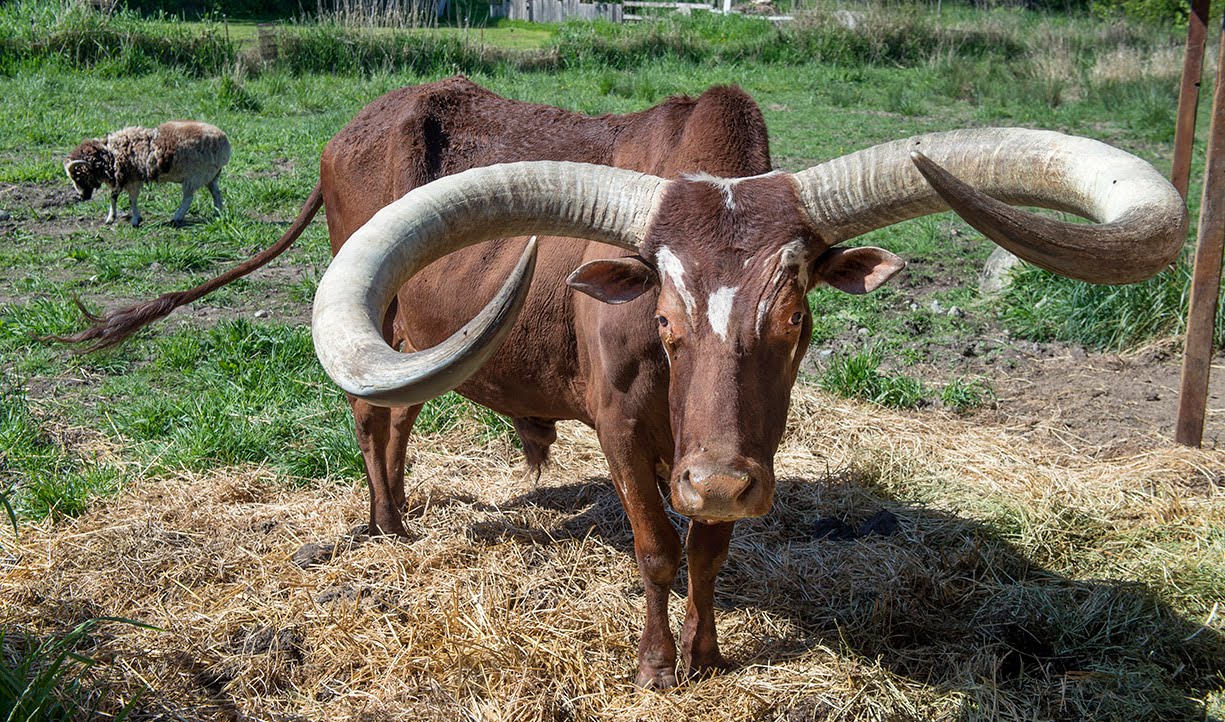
719 310
726 186
671 266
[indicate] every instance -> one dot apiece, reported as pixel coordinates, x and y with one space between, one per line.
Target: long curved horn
71 163
1140 220
605 204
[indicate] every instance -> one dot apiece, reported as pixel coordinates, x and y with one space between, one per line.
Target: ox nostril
750 487
686 477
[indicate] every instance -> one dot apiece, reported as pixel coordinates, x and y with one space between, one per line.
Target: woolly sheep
180 151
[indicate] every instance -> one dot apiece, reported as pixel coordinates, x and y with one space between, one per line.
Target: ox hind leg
657 548
382 434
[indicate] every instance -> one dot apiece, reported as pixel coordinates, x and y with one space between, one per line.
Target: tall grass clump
113 44
46 680
858 376
1041 306
334 48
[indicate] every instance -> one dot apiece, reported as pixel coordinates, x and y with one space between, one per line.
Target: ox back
543 372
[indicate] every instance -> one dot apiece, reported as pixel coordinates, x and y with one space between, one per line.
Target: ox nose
718 492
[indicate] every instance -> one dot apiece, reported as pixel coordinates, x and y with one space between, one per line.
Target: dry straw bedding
1025 582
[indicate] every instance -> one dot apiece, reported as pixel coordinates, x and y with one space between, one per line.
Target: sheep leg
133 194
110 217
216 191
189 192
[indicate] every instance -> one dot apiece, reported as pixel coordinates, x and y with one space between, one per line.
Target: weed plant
46 680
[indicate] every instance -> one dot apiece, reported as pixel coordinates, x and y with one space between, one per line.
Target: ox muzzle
720 488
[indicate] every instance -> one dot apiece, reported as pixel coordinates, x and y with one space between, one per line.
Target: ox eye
663 321
797 318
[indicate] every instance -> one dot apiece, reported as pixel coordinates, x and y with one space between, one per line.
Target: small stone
914 306
862 331
935 307
825 353
997 272
261 313
1153 397
957 312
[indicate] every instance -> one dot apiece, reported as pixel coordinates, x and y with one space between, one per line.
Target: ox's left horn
555 198
1140 220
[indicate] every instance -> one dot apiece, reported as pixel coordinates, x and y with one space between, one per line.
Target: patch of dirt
1108 404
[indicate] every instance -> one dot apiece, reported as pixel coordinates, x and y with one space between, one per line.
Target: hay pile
1024 582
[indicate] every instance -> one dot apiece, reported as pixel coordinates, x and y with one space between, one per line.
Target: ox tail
113 328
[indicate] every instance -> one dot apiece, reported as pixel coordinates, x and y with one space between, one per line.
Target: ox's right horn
1141 221
604 204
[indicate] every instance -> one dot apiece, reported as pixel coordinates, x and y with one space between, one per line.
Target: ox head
88 167
732 261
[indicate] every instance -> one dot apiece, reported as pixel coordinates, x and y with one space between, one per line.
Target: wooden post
1206 277
1188 95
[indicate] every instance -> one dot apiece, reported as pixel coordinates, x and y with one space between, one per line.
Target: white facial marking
793 256
719 309
727 186
762 307
671 266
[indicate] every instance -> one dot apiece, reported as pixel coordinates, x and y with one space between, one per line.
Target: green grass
47 680
981 71
38 477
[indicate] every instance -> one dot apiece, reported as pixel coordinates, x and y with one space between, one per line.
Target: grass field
1080 589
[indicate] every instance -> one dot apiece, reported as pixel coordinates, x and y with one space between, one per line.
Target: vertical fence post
1206 277
1188 95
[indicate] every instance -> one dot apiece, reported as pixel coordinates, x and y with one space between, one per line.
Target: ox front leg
706 548
382 435
657 548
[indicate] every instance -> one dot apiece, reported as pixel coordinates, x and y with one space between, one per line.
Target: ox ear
613 280
857 270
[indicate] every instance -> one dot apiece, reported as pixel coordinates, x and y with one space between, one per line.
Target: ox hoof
391 531
708 665
664 678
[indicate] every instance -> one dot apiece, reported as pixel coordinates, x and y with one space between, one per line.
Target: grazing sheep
181 151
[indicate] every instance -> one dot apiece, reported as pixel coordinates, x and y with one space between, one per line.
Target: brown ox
685 339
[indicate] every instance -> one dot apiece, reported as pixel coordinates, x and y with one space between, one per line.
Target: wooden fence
556 11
